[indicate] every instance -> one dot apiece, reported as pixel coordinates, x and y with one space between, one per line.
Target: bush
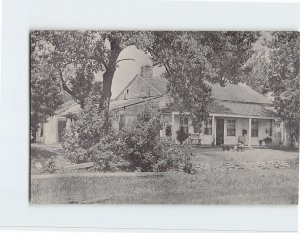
50 165
182 135
174 157
168 130
144 150
136 148
91 126
104 156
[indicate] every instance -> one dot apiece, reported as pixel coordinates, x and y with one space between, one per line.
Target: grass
215 187
41 153
243 184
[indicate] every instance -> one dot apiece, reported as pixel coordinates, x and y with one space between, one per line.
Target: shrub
136 148
50 165
144 150
91 126
168 130
182 135
174 157
104 155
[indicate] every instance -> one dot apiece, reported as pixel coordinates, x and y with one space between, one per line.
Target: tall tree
193 60
68 54
78 55
276 70
283 74
45 97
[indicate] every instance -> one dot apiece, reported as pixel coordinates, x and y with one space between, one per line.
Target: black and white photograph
164 117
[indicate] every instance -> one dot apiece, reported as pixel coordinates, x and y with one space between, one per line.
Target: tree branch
64 85
126 59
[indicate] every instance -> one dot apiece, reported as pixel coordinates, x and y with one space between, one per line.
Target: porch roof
223 107
241 108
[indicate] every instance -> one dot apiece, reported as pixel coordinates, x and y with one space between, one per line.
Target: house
236 110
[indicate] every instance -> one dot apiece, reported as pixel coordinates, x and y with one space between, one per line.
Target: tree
284 78
276 70
283 74
255 71
68 54
193 60
45 97
78 55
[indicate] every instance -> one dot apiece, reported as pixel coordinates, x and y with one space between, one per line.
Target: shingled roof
238 93
160 84
241 108
232 99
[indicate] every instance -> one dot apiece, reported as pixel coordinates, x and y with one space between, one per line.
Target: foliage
192 60
144 150
275 70
77 55
283 74
255 72
181 135
168 130
68 54
87 131
45 97
50 165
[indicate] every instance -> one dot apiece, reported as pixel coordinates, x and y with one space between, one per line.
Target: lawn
252 177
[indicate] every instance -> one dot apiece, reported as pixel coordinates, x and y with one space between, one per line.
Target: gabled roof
140 85
126 87
159 83
230 92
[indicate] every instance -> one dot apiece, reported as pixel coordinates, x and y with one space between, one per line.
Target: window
254 128
208 127
184 122
122 122
230 127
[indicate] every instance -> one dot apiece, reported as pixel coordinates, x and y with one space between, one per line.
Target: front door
61 126
220 132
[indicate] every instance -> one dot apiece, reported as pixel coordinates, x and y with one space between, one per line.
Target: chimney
147 71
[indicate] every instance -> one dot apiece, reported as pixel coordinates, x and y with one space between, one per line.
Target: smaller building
53 130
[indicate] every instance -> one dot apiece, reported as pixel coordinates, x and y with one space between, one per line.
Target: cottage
237 111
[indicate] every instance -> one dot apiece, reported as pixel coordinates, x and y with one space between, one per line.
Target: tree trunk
106 89
109 74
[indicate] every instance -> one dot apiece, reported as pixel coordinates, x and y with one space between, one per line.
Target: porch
222 129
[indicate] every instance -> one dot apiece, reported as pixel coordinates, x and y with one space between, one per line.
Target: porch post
173 125
250 136
213 126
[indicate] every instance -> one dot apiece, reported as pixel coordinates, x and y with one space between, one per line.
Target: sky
127 70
